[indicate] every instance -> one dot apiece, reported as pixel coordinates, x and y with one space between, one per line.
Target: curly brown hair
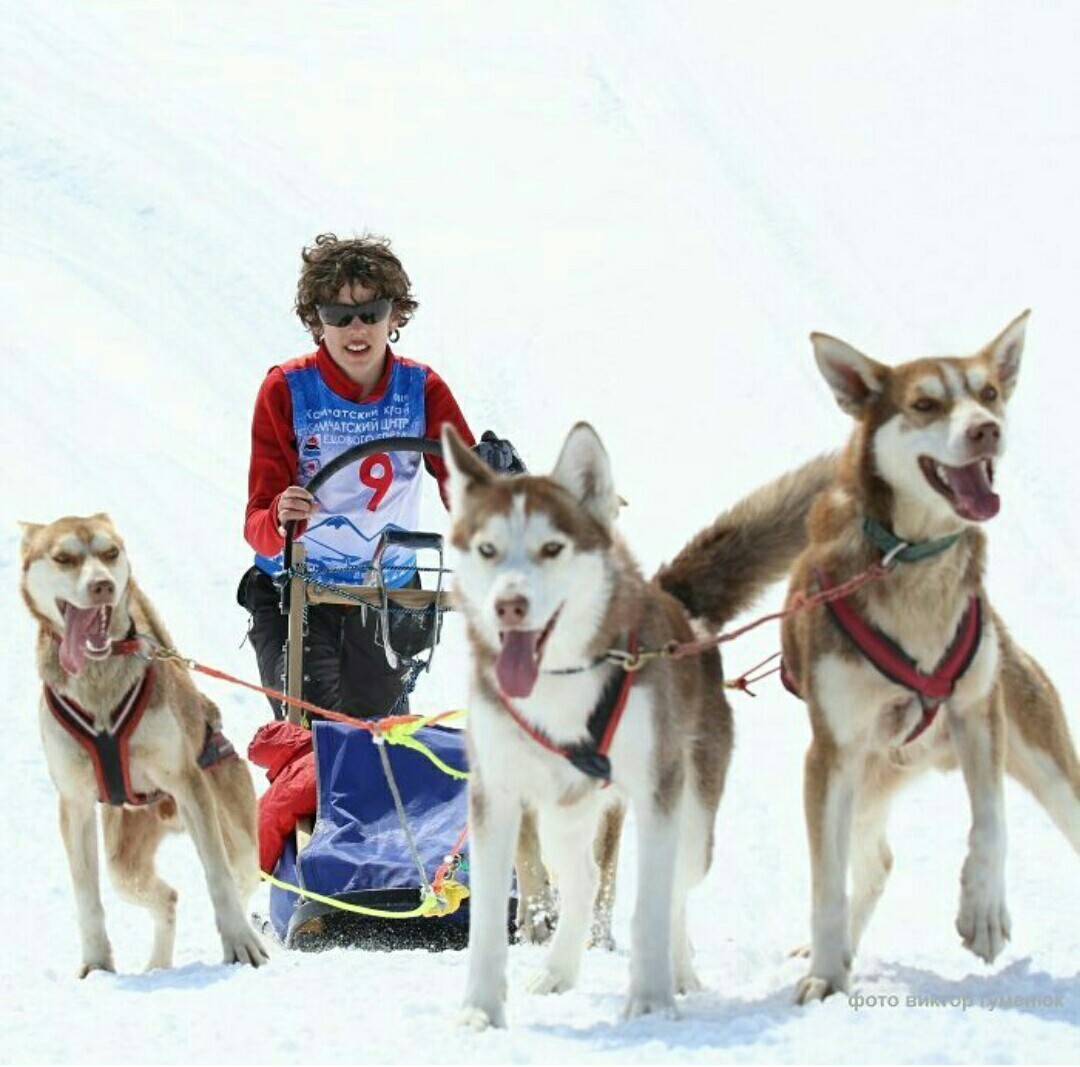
330 263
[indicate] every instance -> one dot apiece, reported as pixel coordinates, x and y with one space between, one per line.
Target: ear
29 529
584 470
1005 351
855 379
464 470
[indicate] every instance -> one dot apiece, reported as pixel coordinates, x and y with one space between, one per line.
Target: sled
385 864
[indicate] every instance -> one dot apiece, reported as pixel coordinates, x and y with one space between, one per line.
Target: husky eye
486 549
924 404
550 549
110 554
988 395
64 559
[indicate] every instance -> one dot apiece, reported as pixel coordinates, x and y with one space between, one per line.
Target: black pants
344 669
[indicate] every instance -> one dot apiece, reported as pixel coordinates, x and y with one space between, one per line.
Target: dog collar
896 550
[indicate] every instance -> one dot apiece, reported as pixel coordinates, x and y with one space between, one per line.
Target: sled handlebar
426 445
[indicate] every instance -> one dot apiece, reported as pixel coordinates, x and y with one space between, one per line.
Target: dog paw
550 980
535 928
687 981
602 939
473 1017
983 924
814 987
244 946
800 952
88 966
645 1002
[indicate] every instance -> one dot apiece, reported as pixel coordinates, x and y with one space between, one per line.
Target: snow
609 211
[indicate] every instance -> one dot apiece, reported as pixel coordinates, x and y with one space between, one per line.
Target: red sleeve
442 408
273 465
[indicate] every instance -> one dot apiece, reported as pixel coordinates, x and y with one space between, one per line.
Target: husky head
75 579
534 570
933 429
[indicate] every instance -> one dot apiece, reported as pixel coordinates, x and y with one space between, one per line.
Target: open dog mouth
969 489
518 664
86 635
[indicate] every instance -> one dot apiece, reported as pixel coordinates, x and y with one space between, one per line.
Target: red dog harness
108 748
896 665
590 757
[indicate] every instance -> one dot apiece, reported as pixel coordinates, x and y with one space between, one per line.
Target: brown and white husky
915 670
137 739
548 589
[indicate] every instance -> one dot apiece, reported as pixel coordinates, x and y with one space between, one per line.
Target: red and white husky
916 670
548 590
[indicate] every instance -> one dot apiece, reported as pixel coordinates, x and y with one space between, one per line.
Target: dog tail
751 545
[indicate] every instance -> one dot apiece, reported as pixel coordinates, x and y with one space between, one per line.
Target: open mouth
86 635
518 664
969 489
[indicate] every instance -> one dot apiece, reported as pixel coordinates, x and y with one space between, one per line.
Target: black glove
499 454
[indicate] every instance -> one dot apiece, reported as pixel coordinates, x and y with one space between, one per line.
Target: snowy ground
609 211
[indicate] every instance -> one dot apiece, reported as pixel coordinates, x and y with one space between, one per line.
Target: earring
394 336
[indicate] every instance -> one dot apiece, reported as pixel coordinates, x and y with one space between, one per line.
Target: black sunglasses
342 314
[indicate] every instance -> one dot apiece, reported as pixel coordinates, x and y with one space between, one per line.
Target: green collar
898 551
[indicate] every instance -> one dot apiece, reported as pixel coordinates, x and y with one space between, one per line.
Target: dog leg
240 942
829 798
575 870
694 855
494 817
871 859
1039 752
606 853
978 738
131 842
536 903
79 832
651 977
234 796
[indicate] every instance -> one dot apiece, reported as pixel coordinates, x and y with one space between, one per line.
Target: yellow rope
402 734
434 905
425 907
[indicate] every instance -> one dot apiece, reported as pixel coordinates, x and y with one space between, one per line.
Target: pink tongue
79 623
975 498
517 666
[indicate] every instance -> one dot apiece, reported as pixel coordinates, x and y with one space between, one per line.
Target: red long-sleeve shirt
274 449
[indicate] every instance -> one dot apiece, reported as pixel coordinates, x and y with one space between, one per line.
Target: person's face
359 348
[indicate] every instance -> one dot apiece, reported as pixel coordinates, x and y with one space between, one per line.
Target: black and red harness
108 748
591 756
889 659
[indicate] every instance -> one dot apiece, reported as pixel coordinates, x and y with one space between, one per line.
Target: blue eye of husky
486 549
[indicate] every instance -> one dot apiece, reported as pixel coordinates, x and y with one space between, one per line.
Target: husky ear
583 468
29 529
1005 351
463 469
855 379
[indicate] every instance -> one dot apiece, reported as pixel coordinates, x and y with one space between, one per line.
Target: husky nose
985 433
101 591
511 611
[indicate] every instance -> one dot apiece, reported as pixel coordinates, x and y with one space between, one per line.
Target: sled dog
548 589
136 736
915 670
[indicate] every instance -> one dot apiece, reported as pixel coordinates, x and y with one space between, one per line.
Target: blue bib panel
358 503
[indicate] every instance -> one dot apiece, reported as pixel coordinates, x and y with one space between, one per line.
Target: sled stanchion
294 668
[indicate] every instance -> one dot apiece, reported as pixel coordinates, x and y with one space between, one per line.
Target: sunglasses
342 314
